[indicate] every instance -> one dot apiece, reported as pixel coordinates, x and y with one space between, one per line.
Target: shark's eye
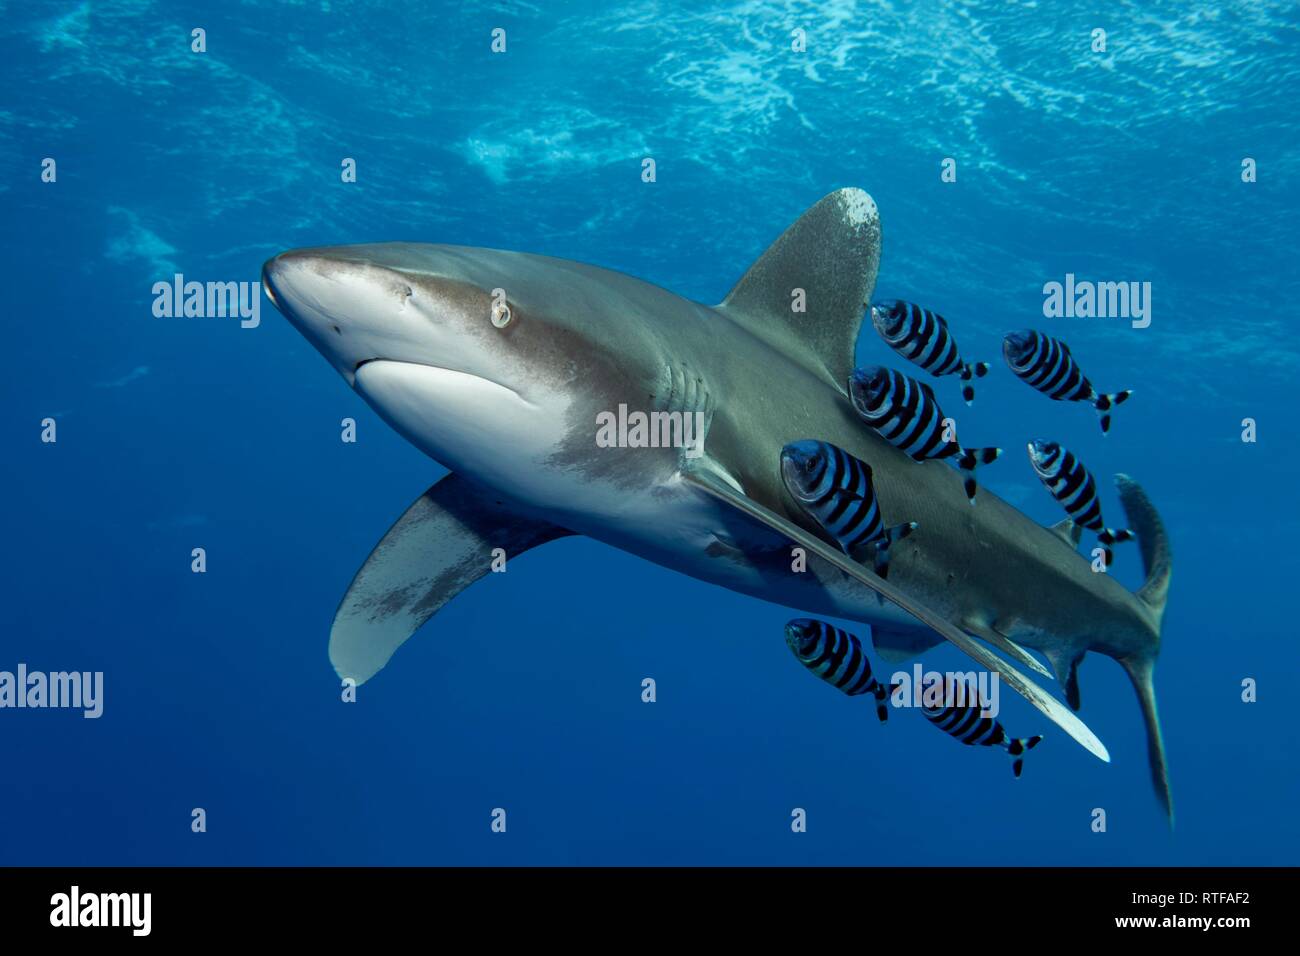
500 315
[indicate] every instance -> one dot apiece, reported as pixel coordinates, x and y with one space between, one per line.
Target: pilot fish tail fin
1017 747
1105 403
882 701
1157 561
969 372
880 557
1109 536
969 460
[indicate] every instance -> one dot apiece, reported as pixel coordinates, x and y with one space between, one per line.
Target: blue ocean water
525 692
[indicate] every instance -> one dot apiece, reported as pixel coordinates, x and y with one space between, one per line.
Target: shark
499 365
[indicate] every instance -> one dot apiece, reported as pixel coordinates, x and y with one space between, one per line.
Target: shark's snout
351 310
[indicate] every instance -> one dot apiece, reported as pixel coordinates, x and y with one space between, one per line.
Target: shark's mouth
469 379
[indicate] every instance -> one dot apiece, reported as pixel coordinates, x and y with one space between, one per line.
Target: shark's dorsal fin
1068 531
831 253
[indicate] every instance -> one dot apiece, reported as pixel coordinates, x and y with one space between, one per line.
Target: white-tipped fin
1052 708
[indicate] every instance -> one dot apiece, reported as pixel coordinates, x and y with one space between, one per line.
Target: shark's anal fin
1065 662
441 545
1052 708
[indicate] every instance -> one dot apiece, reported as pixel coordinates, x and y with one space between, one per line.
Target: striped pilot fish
922 336
837 657
906 414
1047 365
835 488
1073 486
958 713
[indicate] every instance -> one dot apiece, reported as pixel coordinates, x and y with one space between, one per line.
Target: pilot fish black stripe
837 657
1074 488
845 501
922 336
835 488
964 722
907 414
1047 365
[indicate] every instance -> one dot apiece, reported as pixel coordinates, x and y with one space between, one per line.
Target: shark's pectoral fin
807 293
896 646
1045 702
441 545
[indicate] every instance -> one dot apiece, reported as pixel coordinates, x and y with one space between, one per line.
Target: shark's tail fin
1105 403
1157 560
969 460
1017 746
969 372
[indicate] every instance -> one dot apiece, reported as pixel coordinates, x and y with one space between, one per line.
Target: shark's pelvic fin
1157 561
1045 702
826 261
1006 645
1068 531
440 546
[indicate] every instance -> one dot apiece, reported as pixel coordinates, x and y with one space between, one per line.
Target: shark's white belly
680 529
